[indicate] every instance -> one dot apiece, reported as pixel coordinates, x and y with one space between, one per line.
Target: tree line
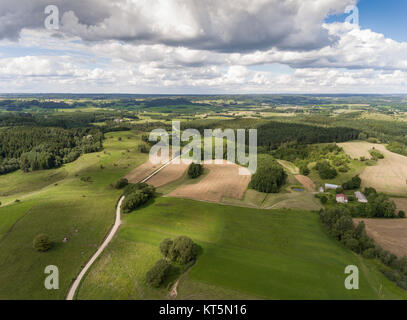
38 148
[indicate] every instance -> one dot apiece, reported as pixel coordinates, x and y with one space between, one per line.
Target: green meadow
247 254
59 203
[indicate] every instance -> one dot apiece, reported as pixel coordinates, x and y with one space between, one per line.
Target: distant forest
37 148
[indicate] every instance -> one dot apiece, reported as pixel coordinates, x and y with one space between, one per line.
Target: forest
36 148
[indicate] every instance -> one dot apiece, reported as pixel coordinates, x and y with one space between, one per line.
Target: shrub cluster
121 183
136 195
195 170
376 154
182 251
353 184
158 273
42 243
325 170
268 178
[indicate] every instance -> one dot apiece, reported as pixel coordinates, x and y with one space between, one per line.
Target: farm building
341 198
331 186
361 197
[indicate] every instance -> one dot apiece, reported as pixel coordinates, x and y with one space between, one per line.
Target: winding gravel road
109 238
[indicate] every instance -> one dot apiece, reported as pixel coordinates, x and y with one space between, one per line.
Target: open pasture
82 211
246 253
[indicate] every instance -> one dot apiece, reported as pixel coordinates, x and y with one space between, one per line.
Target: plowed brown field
223 180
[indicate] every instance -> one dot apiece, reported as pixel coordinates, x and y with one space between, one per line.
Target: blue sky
383 16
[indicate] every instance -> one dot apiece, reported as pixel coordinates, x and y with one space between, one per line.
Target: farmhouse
331 186
361 197
341 198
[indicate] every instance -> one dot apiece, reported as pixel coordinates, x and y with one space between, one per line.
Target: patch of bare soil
306 182
169 174
391 234
223 180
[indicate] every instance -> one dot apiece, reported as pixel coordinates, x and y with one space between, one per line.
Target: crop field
391 234
401 203
69 207
139 173
223 180
390 173
283 255
171 173
306 182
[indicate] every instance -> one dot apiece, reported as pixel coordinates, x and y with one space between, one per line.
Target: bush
121 183
158 273
42 243
369 253
401 214
339 190
182 250
324 199
144 148
136 195
376 154
325 170
304 170
165 247
268 178
353 184
195 170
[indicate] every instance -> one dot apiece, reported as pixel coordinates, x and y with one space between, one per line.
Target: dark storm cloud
223 26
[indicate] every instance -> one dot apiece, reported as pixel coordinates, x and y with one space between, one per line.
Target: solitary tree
42 243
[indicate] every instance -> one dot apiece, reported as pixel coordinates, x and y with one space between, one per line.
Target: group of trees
37 148
339 224
302 155
273 134
379 205
181 251
269 177
325 170
195 170
136 195
352 184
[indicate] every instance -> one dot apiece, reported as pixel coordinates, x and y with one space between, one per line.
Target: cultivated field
246 253
306 182
390 173
223 180
171 173
401 204
391 234
141 172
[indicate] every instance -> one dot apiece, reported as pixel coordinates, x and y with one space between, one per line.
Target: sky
203 46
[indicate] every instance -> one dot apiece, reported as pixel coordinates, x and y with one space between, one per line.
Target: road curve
109 238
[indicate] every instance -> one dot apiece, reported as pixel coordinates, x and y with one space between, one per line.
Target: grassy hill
60 204
247 253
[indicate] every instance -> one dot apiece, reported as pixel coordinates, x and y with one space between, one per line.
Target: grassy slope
247 253
83 210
